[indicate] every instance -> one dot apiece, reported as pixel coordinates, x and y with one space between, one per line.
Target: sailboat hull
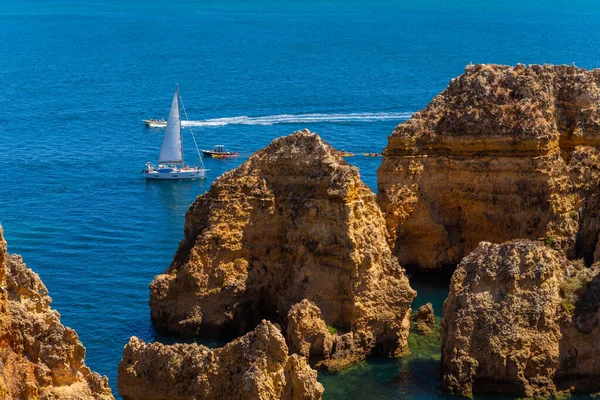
176 174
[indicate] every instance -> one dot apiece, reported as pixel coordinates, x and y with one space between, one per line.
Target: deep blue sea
77 78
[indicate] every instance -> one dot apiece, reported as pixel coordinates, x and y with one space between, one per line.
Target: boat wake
300 118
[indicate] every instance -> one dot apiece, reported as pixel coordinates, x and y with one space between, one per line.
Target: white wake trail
300 118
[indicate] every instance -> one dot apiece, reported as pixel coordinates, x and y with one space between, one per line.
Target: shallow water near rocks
77 78
414 376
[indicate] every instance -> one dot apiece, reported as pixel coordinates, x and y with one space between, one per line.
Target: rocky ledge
293 222
502 153
521 319
39 357
255 366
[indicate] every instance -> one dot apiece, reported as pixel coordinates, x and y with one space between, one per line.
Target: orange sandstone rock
502 153
307 333
255 366
521 318
39 357
293 222
424 319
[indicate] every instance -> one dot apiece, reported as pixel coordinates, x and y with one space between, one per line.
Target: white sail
171 151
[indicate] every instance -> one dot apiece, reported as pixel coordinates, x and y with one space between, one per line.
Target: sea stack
293 222
424 319
39 357
521 319
502 153
255 366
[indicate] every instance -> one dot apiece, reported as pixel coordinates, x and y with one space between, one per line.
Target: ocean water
77 78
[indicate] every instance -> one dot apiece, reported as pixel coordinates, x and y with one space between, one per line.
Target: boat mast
180 127
191 130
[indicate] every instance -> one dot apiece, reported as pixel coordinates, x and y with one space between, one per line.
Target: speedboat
170 162
155 123
219 151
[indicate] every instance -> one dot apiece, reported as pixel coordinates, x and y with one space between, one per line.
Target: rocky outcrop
579 346
503 153
255 366
522 319
39 357
424 319
309 336
293 222
307 333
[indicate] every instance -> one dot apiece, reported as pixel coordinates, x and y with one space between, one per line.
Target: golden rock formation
307 333
39 357
253 367
522 319
293 222
503 153
424 319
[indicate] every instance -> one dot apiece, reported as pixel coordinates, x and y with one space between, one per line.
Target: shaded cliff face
294 222
502 153
515 321
255 366
39 357
579 346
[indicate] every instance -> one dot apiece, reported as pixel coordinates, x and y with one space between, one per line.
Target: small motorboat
345 153
219 151
371 154
155 123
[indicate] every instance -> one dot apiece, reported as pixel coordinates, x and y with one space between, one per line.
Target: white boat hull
158 124
175 174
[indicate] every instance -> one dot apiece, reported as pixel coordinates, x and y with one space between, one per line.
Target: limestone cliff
255 366
579 347
39 357
502 153
293 222
520 318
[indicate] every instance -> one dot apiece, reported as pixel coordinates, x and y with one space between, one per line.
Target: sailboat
170 162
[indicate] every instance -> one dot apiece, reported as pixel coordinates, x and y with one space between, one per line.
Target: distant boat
219 151
170 162
155 123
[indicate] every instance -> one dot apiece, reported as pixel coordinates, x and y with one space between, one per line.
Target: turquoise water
77 78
